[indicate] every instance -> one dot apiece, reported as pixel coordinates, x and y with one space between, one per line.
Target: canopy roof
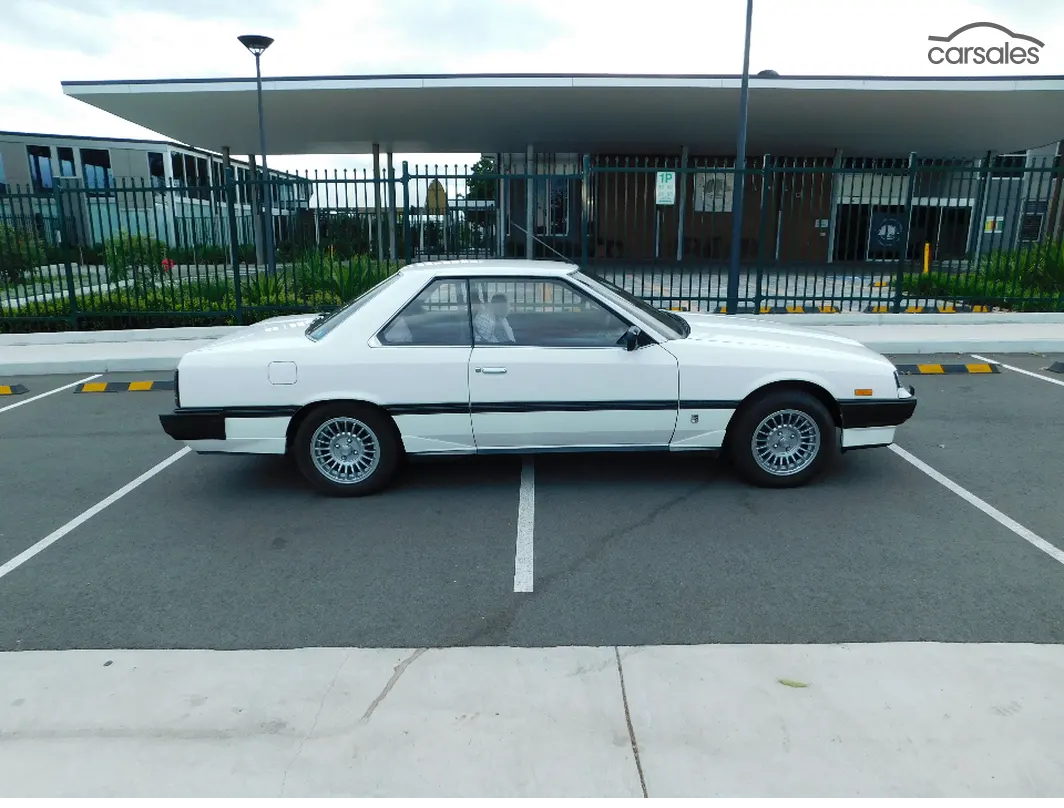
636 114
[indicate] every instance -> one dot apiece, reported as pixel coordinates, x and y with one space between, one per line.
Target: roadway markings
526 521
85 516
50 392
13 389
1027 535
1057 382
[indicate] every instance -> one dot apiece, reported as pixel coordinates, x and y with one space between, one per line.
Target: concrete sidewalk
908 719
158 350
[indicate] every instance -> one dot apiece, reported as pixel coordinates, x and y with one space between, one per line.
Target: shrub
979 289
21 251
139 254
1039 267
319 273
199 301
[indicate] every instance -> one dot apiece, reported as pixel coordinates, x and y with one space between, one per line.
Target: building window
66 162
552 207
40 167
1031 226
244 195
96 169
3 177
177 168
203 180
156 170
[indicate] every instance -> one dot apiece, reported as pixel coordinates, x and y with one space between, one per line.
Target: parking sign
665 188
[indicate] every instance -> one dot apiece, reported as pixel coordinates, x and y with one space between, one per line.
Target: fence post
585 210
72 295
407 243
234 242
899 277
767 177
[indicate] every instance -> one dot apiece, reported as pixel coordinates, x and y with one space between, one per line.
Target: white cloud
44 42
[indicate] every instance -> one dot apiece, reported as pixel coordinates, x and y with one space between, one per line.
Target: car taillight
177 391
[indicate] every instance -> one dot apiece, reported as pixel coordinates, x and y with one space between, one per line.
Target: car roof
494 266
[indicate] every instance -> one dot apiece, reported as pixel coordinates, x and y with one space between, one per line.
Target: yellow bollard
927 256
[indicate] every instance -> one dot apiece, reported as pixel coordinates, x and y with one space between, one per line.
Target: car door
420 364
549 369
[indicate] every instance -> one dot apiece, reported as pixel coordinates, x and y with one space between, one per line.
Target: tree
478 186
481 186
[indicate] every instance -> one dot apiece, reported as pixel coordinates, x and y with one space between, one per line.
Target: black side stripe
463 408
558 406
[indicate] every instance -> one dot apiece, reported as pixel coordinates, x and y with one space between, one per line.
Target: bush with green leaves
1027 279
136 254
201 301
319 274
21 251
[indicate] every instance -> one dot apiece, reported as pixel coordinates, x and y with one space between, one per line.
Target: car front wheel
347 450
784 439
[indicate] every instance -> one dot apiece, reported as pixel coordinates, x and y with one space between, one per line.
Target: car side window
439 316
542 313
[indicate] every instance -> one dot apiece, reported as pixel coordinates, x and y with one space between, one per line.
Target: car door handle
494 371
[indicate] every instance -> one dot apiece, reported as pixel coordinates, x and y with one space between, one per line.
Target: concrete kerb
134 335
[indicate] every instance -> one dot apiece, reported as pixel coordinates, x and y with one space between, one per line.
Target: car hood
760 334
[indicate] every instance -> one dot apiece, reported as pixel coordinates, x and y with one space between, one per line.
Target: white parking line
1018 370
85 516
1027 535
50 392
526 522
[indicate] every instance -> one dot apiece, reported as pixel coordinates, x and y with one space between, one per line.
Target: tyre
347 450
783 439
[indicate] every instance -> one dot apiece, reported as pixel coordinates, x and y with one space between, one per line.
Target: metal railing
872 235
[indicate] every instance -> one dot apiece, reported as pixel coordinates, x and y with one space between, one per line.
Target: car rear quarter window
438 316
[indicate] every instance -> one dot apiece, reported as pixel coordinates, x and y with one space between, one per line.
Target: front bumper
864 414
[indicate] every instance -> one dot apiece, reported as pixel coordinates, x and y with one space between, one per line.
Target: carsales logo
1012 49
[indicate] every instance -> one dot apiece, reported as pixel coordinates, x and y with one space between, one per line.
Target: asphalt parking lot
237 552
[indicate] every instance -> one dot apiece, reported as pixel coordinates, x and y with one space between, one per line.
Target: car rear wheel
784 439
347 450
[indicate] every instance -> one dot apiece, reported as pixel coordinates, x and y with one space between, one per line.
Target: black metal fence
868 235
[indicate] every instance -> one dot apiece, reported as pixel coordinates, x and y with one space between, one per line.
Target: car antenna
545 244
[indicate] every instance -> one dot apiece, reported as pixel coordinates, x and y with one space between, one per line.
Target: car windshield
324 323
672 325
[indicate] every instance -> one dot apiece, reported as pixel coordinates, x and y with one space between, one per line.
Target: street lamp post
257 44
740 175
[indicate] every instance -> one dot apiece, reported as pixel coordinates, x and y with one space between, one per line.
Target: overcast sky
44 42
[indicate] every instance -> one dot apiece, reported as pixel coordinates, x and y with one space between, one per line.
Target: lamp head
256 43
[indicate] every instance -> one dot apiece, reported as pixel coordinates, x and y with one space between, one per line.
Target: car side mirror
631 337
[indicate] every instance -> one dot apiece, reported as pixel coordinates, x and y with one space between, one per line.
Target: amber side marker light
862 392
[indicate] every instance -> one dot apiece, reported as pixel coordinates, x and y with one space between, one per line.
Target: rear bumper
187 426
243 430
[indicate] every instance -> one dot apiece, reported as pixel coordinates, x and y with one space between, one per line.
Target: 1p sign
665 188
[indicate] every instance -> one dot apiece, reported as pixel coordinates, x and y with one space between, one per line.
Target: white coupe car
493 356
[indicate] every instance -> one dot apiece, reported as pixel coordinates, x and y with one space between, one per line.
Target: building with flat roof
129 176
842 168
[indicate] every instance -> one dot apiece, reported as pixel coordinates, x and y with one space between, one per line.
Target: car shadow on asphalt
278 475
